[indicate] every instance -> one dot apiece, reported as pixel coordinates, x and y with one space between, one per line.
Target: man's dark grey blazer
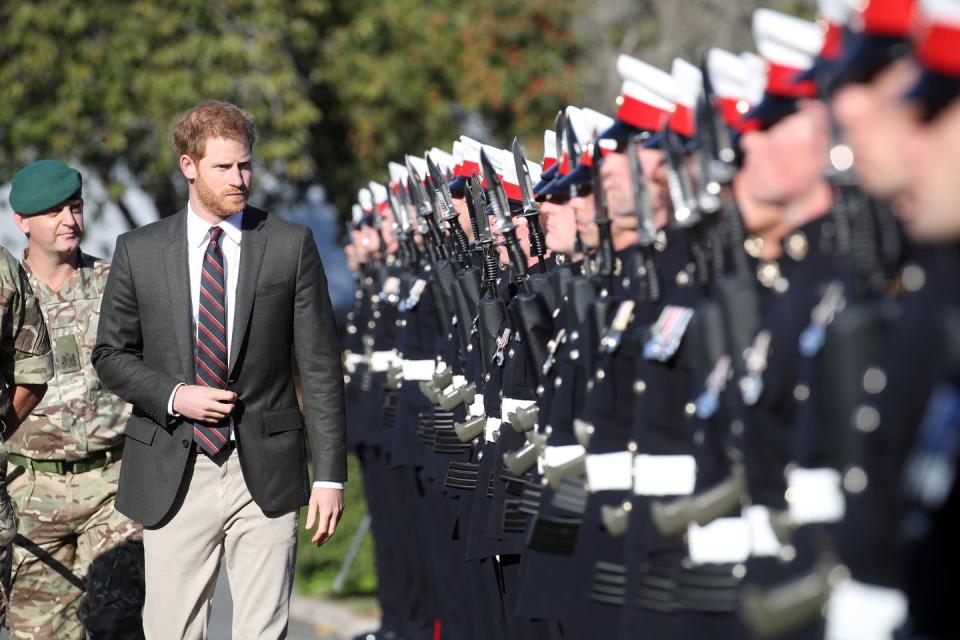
145 348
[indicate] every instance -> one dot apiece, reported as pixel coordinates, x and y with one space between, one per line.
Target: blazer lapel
253 242
177 267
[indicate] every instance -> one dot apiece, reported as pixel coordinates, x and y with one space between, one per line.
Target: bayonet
370 213
441 191
716 134
444 207
425 212
646 229
496 198
401 216
559 126
715 155
478 212
686 211
563 133
538 245
709 188
573 150
403 197
418 195
501 211
523 176
423 226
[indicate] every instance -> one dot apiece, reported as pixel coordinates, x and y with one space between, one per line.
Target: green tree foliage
339 87
101 83
409 75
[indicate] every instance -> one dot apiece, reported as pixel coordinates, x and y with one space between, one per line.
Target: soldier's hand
203 403
326 507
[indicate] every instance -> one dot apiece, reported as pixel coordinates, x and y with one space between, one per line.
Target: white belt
664 475
610 471
509 405
490 430
476 407
858 610
763 541
352 360
557 456
381 360
723 541
418 369
814 495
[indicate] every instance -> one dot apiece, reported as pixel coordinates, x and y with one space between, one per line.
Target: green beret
43 185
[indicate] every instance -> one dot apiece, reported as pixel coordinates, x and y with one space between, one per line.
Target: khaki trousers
218 518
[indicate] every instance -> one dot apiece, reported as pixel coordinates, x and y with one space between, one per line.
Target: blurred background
336 89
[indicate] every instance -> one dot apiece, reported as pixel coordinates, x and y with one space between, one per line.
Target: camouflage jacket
25 356
77 416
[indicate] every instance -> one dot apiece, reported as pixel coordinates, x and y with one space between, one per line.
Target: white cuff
170 410
322 484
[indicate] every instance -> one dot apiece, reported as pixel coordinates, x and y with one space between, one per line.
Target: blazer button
185 443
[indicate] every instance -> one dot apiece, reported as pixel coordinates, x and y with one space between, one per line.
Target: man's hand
23 399
203 404
326 507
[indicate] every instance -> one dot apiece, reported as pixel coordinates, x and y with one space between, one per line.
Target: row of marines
694 375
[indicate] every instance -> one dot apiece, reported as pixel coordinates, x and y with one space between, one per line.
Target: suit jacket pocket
272 289
141 430
282 420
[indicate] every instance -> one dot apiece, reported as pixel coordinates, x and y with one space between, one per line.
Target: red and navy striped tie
212 340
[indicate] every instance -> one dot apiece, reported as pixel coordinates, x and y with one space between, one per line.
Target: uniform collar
76 286
198 230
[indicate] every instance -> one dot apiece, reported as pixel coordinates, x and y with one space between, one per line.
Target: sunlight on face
932 158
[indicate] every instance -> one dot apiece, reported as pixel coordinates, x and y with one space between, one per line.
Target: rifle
501 211
528 310
646 228
462 288
605 257
540 282
715 159
491 312
409 253
735 292
686 209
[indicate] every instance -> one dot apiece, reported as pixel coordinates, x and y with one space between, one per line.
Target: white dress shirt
198 237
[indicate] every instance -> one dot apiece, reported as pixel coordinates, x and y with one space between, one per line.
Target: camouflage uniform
68 519
25 358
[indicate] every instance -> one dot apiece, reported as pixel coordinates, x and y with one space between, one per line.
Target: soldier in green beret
72 442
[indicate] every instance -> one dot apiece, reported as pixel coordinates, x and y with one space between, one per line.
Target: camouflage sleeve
32 357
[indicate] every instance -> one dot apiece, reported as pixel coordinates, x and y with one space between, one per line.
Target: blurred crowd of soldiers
695 374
